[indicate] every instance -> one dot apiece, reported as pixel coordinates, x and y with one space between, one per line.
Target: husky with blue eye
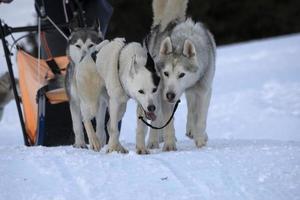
128 72
83 85
184 53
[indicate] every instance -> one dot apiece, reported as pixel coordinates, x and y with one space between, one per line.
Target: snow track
225 169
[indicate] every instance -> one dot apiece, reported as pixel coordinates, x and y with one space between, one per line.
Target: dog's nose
170 96
151 108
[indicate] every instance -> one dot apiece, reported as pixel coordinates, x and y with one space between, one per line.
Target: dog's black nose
170 96
151 108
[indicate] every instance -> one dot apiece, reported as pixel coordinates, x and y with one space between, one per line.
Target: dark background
229 21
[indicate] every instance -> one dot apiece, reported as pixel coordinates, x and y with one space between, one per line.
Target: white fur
84 95
122 84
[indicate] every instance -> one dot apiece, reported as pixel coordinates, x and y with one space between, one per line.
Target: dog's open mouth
150 116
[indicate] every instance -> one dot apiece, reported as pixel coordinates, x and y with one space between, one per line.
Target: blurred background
229 21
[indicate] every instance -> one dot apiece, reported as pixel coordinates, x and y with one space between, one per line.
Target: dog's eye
141 92
78 46
154 90
181 75
166 74
90 46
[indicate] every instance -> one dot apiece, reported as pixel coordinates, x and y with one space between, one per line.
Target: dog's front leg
141 131
156 135
191 104
203 96
77 125
100 118
93 140
115 111
169 132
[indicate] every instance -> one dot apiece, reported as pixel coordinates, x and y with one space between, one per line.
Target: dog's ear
189 49
5 77
5 82
97 28
96 25
133 66
74 25
166 47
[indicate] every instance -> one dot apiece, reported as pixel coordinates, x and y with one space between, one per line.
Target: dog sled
43 106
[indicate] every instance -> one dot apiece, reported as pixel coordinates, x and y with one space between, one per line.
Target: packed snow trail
225 169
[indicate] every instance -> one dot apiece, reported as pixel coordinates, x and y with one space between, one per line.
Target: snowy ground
253 151
226 169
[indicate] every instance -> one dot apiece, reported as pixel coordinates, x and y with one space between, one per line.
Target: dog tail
166 11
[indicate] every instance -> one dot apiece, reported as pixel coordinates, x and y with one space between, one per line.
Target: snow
253 150
226 169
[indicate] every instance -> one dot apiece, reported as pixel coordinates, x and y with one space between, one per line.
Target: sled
43 106
45 103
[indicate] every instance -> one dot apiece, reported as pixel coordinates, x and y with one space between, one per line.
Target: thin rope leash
166 124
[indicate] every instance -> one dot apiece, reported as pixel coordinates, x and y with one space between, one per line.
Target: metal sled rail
7 30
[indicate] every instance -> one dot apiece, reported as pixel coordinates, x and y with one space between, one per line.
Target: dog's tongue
150 116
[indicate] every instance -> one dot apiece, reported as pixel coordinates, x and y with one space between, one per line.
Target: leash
166 124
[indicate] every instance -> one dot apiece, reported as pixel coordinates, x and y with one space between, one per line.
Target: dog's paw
169 147
161 138
118 148
80 145
153 145
142 151
189 134
102 142
95 144
200 141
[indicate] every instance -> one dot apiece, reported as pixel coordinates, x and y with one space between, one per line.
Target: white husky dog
128 71
184 52
82 85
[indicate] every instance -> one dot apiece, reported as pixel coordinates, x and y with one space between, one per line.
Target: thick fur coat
184 53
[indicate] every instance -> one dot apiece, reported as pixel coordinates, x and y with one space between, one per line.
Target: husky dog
6 91
82 85
128 71
184 53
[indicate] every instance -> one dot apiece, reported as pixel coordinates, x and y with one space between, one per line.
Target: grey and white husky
184 53
128 71
6 91
82 85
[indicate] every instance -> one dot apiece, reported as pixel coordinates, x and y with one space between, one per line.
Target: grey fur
84 34
6 91
82 82
188 49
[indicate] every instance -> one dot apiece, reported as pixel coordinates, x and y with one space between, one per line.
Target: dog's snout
170 96
151 108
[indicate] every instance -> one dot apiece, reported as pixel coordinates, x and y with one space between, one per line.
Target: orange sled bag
45 104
